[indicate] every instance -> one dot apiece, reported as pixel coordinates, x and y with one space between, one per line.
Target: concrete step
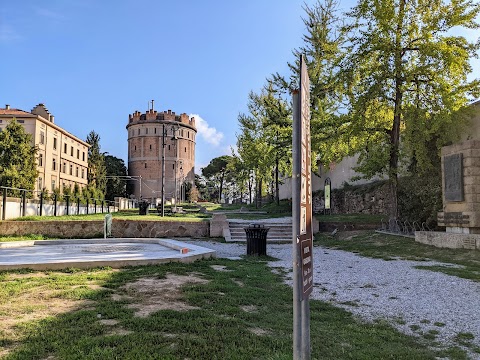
278 232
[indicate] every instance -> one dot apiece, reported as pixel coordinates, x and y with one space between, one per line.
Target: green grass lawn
390 247
234 310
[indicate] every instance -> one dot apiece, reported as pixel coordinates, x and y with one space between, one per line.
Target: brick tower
146 133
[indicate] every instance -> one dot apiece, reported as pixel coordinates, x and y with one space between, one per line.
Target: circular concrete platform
81 253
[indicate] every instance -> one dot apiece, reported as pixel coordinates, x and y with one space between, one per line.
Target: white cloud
209 134
49 13
7 33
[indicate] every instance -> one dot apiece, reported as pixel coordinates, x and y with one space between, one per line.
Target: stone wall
362 199
448 240
120 228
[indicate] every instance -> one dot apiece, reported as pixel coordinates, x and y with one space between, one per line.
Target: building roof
15 112
10 112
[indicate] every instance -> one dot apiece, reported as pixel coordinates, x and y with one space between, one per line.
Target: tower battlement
155 116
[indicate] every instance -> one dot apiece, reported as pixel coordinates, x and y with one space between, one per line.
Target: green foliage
18 168
116 186
331 138
407 79
420 199
265 130
218 171
96 176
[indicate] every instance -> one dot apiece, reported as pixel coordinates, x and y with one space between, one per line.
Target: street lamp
174 137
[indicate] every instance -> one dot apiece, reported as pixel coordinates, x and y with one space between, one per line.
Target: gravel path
379 289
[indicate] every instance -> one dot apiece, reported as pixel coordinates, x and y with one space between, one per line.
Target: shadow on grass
243 312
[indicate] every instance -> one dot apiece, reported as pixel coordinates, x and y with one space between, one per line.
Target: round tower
146 134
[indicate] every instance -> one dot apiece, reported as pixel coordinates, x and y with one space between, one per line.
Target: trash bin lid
255 226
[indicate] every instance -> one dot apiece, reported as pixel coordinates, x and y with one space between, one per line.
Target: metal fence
22 202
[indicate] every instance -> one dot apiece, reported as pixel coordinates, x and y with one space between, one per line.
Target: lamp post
163 170
175 138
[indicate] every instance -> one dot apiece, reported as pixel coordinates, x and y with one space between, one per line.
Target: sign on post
107 226
306 233
327 191
302 239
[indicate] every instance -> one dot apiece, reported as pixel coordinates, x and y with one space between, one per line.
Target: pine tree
96 176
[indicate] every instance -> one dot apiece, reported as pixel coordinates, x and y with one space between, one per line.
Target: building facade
146 155
62 158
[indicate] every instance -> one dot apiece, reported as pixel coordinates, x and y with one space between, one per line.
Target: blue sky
94 62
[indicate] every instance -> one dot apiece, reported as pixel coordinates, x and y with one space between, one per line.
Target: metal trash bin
143 207
256 239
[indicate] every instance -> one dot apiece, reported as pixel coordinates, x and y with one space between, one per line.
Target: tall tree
116 182
252 145
277 126
407 74
323 51
218 169
18 168
96 176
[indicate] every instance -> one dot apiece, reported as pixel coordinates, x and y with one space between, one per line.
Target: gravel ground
378 289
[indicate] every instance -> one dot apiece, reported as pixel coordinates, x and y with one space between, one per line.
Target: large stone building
62 158
146 134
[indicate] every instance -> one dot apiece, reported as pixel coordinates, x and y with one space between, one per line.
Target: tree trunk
395 132
250 190
277 189
221 189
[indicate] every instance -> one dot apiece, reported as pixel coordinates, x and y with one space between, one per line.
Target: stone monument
461 199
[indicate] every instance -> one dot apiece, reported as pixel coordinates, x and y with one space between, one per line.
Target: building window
65 148
40 183
83 173
138 131
150 146
53 185
146 131
54 143
71 150
83 156
54 164
40 160
76 172
185 149
135 147
173 166
71 169
42 137
21 121
155 130
168 147
78 154
145 165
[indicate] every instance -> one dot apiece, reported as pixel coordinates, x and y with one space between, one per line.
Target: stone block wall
94 229
462 215
363 199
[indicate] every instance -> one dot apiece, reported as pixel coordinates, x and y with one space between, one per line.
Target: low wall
329 226
448 240
14 208
120 228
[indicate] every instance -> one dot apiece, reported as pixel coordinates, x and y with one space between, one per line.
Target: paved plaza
60 254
